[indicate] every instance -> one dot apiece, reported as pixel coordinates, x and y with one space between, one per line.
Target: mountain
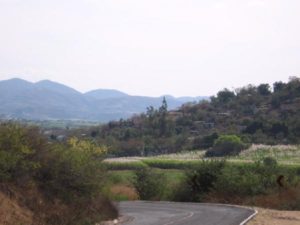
105 94
48 100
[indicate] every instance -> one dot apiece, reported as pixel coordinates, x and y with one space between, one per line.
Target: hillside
48 100
257 114
50 183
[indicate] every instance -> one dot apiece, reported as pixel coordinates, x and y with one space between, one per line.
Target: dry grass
123 192
274 217
11 213
285 154
288 198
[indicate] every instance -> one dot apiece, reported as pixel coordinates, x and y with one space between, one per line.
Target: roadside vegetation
58 183
263 183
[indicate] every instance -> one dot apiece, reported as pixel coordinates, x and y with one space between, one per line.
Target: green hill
257 114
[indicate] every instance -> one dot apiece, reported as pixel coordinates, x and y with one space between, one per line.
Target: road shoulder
275 217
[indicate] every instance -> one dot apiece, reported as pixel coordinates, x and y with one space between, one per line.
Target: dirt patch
129 193
274 217
11 213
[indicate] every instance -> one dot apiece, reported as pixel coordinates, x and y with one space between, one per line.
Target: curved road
170 213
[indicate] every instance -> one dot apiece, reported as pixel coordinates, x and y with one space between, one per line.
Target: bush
205 142
201 180
226 145
148 184
236 182
20 150
73 171
270 162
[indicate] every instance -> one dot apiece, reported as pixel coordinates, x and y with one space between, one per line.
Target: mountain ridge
49 100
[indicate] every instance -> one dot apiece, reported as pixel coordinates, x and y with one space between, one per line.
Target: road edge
250 217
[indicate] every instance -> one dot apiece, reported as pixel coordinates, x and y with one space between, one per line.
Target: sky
151 47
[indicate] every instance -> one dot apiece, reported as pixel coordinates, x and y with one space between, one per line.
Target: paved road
165 213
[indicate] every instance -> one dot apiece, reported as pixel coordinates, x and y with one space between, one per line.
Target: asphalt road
169 213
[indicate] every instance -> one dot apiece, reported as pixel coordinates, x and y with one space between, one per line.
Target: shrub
205 142
73 171
226 145
148 184
201 180
20 150
236 182
270 162
66 179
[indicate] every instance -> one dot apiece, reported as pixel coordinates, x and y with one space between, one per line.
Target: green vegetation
226 145
254 114
148 184
218 181
169 163
134 165
59 183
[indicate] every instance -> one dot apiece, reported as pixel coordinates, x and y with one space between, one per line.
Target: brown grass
274 217
285 199
28 206
288 198
123 190
11 213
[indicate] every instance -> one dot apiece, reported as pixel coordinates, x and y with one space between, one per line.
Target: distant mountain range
48 100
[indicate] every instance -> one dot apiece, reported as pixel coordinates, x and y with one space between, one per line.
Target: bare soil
274 217
11 213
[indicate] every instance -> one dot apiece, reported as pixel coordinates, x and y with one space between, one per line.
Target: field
284 154
245 179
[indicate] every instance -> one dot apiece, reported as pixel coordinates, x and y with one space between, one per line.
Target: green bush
226 145
234 181
20 149
270 161
202 178
73 171
205 142
148 184
71 174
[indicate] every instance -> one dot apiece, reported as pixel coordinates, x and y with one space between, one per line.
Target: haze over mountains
48 100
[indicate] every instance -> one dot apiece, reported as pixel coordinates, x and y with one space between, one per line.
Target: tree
163 117
264 89
225 96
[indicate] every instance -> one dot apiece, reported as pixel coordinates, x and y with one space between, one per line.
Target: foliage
169 163
148 184
73 171
20 148
202 178
205 142
70 174
134 165
257 113
270 161
226 145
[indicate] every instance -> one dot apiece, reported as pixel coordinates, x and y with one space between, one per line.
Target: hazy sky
151 47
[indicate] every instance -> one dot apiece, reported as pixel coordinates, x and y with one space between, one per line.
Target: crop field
284 154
